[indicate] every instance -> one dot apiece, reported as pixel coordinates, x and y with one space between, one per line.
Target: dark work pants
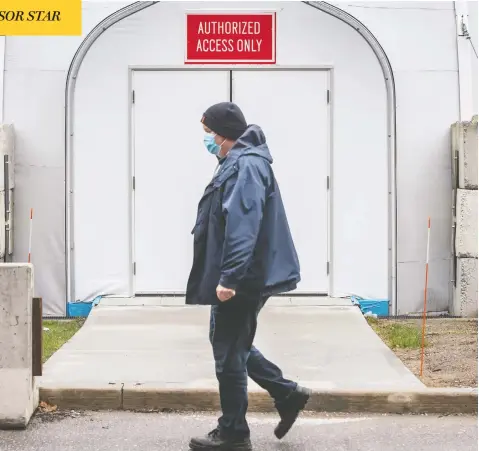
232 330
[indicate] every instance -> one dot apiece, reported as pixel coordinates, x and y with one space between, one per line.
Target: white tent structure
356 110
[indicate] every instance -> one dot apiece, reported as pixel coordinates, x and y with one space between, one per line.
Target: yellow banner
40 17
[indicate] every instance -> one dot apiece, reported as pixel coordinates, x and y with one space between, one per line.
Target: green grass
58 334
397 335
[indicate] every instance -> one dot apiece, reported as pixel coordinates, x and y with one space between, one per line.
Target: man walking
243 254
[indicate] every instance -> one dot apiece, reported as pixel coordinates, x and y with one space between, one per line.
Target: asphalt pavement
107 431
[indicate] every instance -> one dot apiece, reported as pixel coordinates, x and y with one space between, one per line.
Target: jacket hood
252 142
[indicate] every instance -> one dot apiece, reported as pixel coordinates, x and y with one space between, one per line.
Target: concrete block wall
18 391
465 243
465 295
466 220
468 163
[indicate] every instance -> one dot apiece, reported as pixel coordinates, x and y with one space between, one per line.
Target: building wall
420 41
34 98
474 32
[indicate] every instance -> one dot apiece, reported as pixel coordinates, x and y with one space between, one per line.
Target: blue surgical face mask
211 145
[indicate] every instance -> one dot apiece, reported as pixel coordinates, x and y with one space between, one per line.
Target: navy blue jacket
242 239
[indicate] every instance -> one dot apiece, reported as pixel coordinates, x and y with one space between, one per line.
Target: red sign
216 38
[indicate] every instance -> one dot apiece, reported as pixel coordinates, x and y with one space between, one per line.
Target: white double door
172 167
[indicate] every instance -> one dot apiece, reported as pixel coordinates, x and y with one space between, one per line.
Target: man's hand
224 294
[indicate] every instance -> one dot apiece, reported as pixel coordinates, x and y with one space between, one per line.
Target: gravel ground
451 354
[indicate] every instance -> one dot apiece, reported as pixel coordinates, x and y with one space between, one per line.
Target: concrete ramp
321 347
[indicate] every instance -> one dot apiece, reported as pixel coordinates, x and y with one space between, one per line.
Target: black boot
289 410
214 441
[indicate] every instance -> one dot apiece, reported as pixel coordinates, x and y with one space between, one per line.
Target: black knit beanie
225 119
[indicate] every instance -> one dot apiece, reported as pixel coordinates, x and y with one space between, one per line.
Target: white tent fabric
101 144
421 47
34 99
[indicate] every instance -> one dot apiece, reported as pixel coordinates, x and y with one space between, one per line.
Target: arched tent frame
321 6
